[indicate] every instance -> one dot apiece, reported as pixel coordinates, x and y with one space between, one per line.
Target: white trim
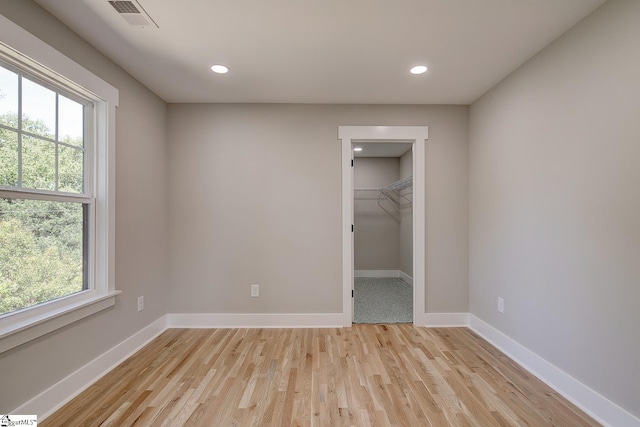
419 226
405 277
417 135
383 133
33 327
254 320
446 320
376 273
66 389
597 406
385 273
347 232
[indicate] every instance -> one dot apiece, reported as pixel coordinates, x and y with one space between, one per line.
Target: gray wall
406 221
555 204
256 199
141 224
376 237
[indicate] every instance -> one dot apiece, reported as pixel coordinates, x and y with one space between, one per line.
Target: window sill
37 326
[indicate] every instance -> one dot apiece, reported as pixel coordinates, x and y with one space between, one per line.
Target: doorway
416 136
383 234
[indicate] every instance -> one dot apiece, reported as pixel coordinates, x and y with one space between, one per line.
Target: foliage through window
45 204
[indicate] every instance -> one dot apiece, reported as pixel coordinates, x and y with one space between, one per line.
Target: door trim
416 135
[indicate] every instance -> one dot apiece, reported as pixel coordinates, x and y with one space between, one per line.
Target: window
46 209
56 189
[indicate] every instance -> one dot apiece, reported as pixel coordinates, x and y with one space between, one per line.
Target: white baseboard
376 273
384 273
405 277
449 320
597 406
255 320
53 398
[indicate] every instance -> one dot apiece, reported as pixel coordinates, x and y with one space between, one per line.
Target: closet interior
383 233
392 198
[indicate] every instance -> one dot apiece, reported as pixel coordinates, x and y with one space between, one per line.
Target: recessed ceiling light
220 69
419 69
357 149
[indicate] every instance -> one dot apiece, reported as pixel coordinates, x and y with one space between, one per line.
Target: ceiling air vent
133 13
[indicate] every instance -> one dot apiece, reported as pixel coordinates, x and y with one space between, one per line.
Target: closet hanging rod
397 193
401 184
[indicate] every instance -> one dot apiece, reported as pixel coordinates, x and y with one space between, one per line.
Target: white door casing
416 135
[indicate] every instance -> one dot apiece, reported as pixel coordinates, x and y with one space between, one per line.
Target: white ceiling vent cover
133 13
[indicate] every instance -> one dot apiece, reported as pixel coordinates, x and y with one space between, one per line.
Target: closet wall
376 233
383 234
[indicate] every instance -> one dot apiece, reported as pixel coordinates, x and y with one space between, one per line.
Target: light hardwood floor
366 375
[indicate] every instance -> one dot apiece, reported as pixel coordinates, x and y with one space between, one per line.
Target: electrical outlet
501 305
140 303
255 291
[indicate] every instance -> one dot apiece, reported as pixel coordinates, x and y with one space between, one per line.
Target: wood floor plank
382 375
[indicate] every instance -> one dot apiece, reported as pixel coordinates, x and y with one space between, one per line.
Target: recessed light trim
357 148
419 69
220 69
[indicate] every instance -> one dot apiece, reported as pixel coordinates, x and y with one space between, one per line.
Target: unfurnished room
320 213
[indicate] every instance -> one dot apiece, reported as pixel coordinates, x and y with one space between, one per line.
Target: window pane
70 169
8 158
8 98
38 164
41 251
38 109
70 121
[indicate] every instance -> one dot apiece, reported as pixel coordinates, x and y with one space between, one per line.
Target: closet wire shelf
398 194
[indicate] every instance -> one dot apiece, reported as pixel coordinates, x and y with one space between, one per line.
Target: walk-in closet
383 233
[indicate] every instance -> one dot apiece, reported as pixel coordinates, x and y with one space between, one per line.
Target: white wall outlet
501 305
255 291
140 303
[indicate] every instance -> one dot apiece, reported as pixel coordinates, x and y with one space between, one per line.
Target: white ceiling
323 51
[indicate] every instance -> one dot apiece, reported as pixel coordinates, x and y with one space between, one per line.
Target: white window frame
27 324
